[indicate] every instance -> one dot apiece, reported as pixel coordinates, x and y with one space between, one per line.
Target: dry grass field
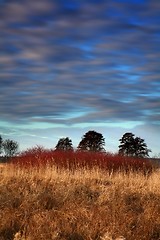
47 203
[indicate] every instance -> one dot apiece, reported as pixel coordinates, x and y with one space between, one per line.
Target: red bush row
38 156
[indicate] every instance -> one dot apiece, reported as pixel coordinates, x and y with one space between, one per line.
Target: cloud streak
80 62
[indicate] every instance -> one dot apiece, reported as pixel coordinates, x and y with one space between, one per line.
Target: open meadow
73 200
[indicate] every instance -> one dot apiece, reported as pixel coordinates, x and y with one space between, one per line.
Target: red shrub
38 156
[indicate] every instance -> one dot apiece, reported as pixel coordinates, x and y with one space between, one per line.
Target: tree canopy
10 147
1 145
92 141
64 144
133 146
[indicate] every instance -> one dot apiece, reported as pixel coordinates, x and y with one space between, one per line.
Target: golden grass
52 204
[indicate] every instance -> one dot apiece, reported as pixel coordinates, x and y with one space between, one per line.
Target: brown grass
52 204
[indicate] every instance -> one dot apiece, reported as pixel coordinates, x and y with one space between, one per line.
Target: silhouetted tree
92 141
127 144
1 145
10 147
64 144
133 146
140 147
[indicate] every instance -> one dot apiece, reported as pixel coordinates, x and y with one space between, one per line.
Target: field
73 200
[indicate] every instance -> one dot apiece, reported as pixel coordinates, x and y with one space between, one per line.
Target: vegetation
92 141
86 194
133 146
64 144
56 203
8 147
38 156
1 145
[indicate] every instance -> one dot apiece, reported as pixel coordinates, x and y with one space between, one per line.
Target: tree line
92 141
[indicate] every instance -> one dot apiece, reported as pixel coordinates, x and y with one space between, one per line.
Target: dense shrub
71 160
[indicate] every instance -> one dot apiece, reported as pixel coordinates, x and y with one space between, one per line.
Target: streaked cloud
73 63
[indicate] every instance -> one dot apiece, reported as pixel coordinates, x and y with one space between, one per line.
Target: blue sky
67 67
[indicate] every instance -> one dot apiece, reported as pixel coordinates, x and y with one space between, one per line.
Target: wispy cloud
80 62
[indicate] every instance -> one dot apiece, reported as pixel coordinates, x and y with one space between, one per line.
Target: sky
70 66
